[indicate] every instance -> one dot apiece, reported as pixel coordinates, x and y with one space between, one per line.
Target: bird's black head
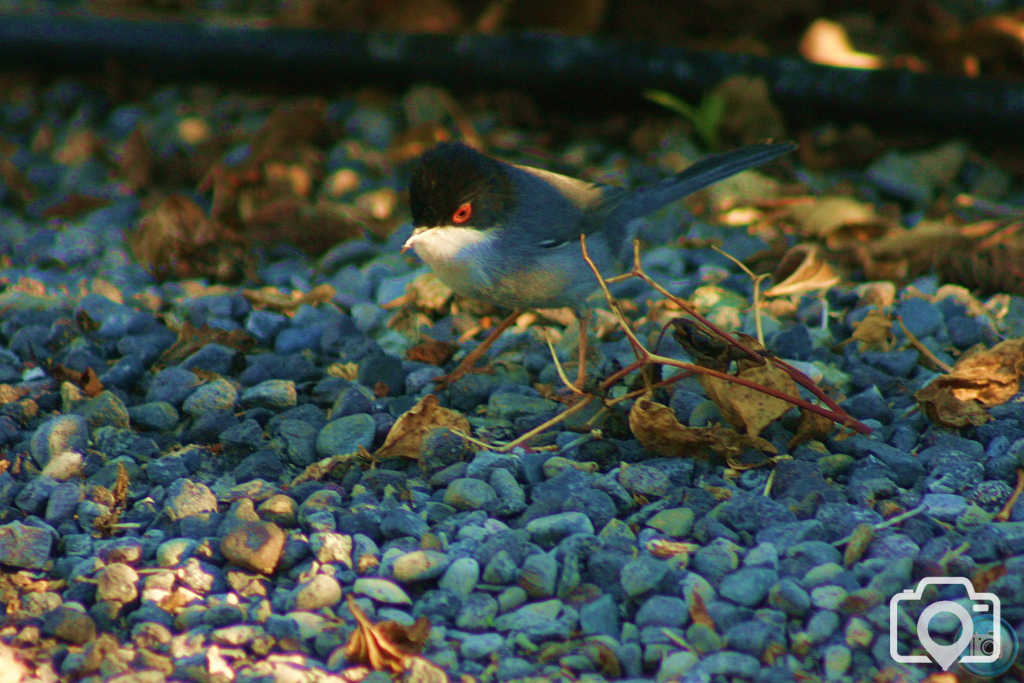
453 184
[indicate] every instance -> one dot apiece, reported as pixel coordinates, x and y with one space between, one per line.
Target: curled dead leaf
747 408
406 435
803 270
387 645
655 426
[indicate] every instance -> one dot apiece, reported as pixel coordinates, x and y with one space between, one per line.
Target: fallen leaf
812 427
333 467
272 298
826 42
747 408
136 159
873 332
87 381
656 428
858 544
940 405
698 612
984 578
75 204
387 645
983 379
432 351
191 339
802 270
406 435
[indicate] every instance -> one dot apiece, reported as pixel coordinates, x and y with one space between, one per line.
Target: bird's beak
409 243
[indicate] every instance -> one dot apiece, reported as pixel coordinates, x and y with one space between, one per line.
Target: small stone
57 435
729 664
346 435
419 565
748 586
279 509
70 625
539 575
549 530
470 494
219 394
158 416
676 665
25 547
320 591
600 617
106 410
662 610
642 575
836 660
501 569
273 394
675 522
645 480
859 633
481 646
381 590
461 576
828 597
788 596
254 545
186 498
331 547
117 583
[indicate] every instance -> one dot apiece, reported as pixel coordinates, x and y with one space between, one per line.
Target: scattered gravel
528 564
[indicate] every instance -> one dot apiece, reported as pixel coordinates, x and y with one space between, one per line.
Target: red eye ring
462 213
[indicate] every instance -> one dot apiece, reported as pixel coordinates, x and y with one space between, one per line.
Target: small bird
509 235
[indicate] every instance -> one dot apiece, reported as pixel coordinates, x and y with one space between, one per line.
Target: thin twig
1004 514
924 350
887 523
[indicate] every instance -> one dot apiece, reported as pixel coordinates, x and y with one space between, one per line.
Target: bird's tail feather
697 176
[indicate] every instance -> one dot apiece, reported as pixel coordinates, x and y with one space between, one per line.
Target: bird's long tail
649 198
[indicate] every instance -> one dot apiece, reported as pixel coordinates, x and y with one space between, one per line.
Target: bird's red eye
462 214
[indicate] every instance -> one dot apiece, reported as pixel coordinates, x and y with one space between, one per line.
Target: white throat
441 245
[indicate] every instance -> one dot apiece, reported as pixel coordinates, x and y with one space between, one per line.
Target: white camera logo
946 655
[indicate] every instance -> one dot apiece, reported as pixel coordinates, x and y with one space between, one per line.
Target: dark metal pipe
595 73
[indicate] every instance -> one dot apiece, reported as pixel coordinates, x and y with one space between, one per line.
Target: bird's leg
582 320
468 363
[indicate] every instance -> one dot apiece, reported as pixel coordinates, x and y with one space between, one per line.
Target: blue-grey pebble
748 586
273 394
345 435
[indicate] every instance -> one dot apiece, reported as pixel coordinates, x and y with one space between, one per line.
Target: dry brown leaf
809 273
873 332
838 220
177 239
432 351
984 577
665 549
75 204
387 645
748 408
940 405
10 394
87 381
406 435
656 428
137 159
826 42
812 427
858 544
333 467
349 371
986 378
698 612
191 340
275 300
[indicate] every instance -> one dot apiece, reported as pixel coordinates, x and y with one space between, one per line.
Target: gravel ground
213 566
